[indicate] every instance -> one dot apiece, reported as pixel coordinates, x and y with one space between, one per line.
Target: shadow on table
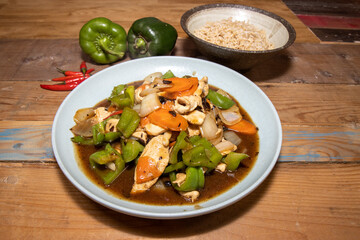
270 70
170 228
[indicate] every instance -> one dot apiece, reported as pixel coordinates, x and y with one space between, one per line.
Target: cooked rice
235 34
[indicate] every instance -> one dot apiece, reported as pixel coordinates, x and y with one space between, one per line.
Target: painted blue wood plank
28 143
33 143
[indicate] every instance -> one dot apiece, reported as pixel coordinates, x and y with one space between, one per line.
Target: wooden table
312 193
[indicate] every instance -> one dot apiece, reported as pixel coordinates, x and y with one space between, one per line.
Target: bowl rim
185 17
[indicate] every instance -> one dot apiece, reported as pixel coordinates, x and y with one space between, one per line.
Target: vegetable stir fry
168 126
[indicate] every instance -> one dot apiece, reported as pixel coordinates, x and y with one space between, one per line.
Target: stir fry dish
166 134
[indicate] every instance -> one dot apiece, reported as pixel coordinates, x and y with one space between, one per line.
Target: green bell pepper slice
202 154
98 131
220 100
103 40
195 180
168 74
233 159
180 144
82 140
174 167
151 37
98 159
131 150
123 96
128 122
111 136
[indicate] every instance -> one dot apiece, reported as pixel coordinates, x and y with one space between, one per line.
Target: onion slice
232 137
149 104
209 128
230 116
83 114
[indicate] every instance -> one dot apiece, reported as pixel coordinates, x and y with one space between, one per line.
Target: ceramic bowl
279 32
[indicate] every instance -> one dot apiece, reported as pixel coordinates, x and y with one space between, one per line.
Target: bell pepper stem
105 48
141 45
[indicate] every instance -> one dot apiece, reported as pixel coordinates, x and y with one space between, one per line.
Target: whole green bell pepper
151 37
103 40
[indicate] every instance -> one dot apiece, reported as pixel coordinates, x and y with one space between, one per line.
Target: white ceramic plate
99 87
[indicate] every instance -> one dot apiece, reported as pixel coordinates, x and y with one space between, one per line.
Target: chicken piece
193 130
203 88
187 104
157 151
180 178
192 196
153 129
138 97
195 117
225 147
221 167
100 115
111 125
140 134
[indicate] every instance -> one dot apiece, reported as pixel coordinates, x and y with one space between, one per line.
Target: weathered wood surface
43 19
297 201
313 192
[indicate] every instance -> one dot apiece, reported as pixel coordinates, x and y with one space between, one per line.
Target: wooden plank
43 19
334 22
297 201
24 60
30 141
337 35
326 104
326 7
311 63
26 141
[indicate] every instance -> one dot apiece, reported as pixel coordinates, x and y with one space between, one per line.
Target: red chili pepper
90 70
70 73
60 87
77 79
66 78
83 67
114 113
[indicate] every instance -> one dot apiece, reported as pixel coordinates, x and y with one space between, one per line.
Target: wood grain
63 19
312 193
297 201
23 60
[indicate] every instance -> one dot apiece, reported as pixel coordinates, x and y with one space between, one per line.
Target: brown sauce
163 193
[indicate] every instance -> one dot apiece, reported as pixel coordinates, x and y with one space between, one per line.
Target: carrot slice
180 84
146 169
144 121
168 105
168 120
188 92
244 127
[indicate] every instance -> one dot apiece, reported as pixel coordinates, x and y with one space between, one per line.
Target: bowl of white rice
237 36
